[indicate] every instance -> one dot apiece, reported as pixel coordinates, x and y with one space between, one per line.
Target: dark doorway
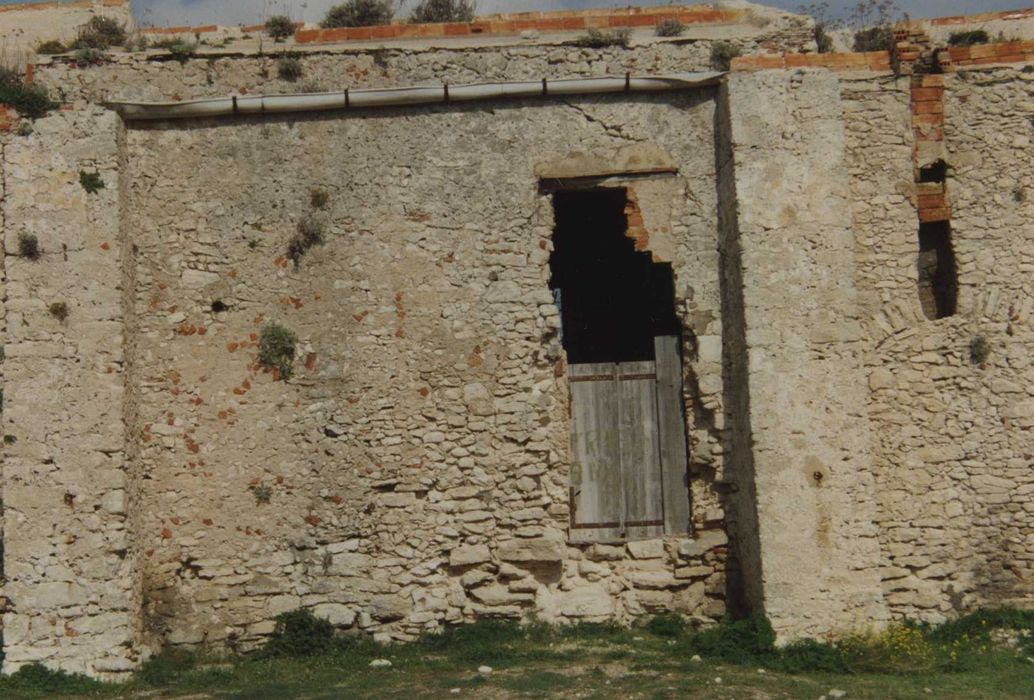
613 300
938 288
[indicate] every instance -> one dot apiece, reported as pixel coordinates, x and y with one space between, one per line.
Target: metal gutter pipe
407 96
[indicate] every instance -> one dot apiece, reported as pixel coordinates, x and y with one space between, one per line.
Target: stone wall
849 459
71 574
804 396
416 466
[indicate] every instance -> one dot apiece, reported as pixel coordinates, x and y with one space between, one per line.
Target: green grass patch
981 656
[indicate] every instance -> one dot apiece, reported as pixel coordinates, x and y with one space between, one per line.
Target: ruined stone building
614 335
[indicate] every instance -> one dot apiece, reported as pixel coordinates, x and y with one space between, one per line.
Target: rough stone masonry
850 460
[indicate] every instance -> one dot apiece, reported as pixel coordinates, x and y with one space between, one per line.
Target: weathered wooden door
628 477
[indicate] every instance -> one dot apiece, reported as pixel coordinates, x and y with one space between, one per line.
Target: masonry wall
804 396
949 442
416 466
71 577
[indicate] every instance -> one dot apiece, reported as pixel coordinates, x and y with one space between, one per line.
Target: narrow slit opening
937 277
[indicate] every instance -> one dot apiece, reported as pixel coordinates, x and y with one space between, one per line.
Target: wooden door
628 477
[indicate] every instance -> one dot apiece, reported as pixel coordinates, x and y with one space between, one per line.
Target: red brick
919 94
927 108
931 81
387 31
932 201
936 119
939 214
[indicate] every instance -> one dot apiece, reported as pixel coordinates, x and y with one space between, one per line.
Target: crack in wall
610 130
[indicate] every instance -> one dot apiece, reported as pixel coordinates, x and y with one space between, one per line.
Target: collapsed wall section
808 426
71 586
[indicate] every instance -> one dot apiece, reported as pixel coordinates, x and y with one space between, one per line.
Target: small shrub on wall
722 53
359 13
289 69
28 246
30 101
669 27
971 38
100 33
277 349
595 39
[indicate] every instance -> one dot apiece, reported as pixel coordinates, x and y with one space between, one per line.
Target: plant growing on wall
429 11
100 33
875 19
87 57
359 13
262 494
669 27
28 246
59 310
277 349
722 53
970 38
91 182
279 27
819 12
289 68
979 349
30 101
319 198
49 48
311 232
595 39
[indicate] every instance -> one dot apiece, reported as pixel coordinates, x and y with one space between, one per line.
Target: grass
655 660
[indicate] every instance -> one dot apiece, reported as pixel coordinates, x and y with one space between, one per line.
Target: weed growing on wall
59 310
311 232
595 39
430 11
669 27
100 33
970 38
289 68
30 101
91 182
49 48
279 27
979 350
319 198
180 50
262 494
86 57
277 349
28 246
722 53
359 13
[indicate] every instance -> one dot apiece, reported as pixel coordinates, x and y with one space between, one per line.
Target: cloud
232 12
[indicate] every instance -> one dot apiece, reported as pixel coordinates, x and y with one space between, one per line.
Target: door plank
640 457
596 471
671 422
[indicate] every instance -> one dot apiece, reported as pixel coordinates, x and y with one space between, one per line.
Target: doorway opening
937 277
613 299
622 339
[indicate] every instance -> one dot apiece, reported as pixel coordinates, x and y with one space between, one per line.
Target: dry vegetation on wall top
359 13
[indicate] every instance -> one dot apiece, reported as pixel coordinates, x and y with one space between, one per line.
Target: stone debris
380 663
